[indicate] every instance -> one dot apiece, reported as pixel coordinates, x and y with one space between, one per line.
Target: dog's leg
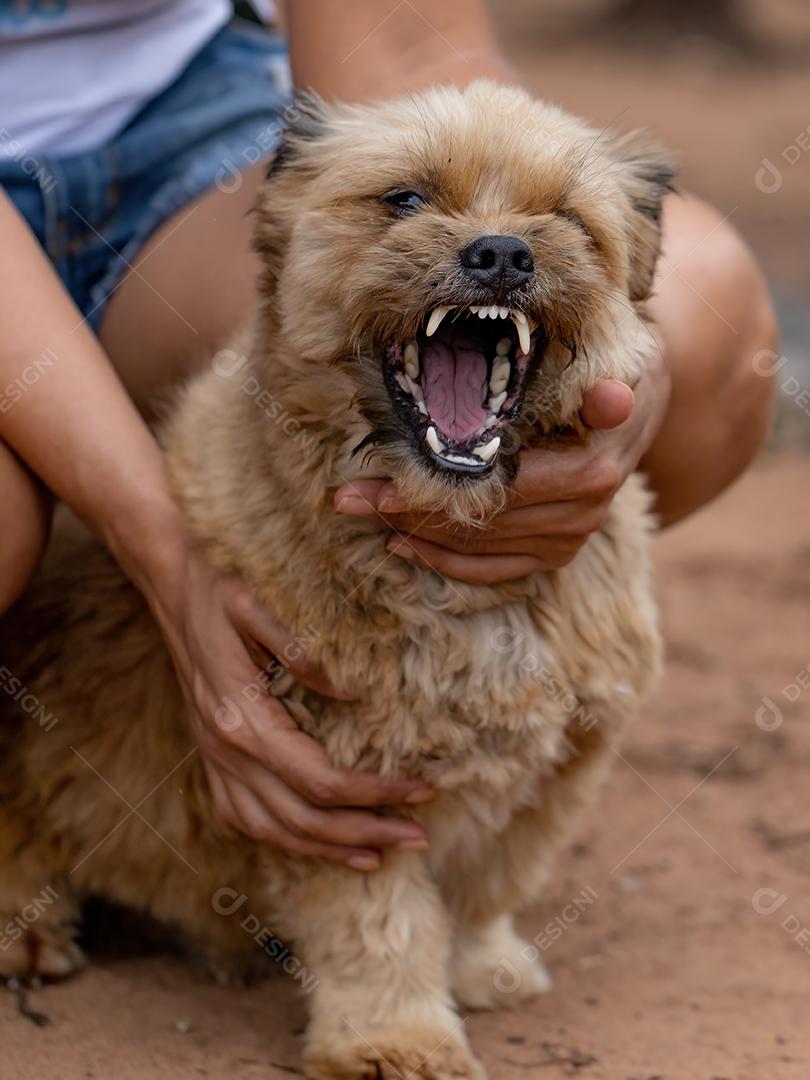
378 946
39 915
492 967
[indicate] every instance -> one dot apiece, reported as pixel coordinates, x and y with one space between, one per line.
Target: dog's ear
647 175
305 120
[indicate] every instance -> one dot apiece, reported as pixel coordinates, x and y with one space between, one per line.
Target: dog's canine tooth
504 347
433 440
436 317
422 407
522 327
524 337
488 451
495 403
500 376
411 359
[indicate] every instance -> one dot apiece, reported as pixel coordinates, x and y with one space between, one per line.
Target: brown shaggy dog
443 278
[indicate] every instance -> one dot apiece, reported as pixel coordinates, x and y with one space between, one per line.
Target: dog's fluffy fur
508 698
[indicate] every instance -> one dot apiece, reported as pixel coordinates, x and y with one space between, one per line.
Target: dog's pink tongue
454 380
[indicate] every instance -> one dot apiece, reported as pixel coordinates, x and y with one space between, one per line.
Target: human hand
267 777
560 496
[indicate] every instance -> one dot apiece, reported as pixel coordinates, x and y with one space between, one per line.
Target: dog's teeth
522 327
475 310
503 312
495 403
482 312
504 346
422 407
494 313
436 317
501 369
411 358
459 459
525 338
490 422
500 376
433 440
489 450
414 388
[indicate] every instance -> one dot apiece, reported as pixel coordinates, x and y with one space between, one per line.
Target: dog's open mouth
460 381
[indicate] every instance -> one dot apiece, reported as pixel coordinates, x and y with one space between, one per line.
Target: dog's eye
404 202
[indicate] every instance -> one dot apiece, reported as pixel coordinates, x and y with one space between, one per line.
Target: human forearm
63 410
370 52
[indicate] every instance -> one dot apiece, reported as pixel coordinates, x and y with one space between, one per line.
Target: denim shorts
92 212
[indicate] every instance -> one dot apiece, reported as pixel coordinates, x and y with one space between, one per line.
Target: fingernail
353 504
389 501
413 845
420 795
366 863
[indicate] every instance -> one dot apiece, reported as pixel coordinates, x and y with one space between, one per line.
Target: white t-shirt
74 72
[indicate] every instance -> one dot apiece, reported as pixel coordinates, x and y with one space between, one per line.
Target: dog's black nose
494 260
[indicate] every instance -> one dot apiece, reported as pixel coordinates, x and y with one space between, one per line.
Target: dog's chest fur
487 688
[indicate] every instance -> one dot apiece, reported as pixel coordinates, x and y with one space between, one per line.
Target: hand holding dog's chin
560 496
268 779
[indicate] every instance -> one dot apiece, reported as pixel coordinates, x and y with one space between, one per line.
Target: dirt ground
677 928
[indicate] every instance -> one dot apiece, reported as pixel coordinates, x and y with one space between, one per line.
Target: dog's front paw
45 950
493 968
347 1052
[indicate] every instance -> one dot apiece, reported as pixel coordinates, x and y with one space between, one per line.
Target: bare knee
24 526
716 319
